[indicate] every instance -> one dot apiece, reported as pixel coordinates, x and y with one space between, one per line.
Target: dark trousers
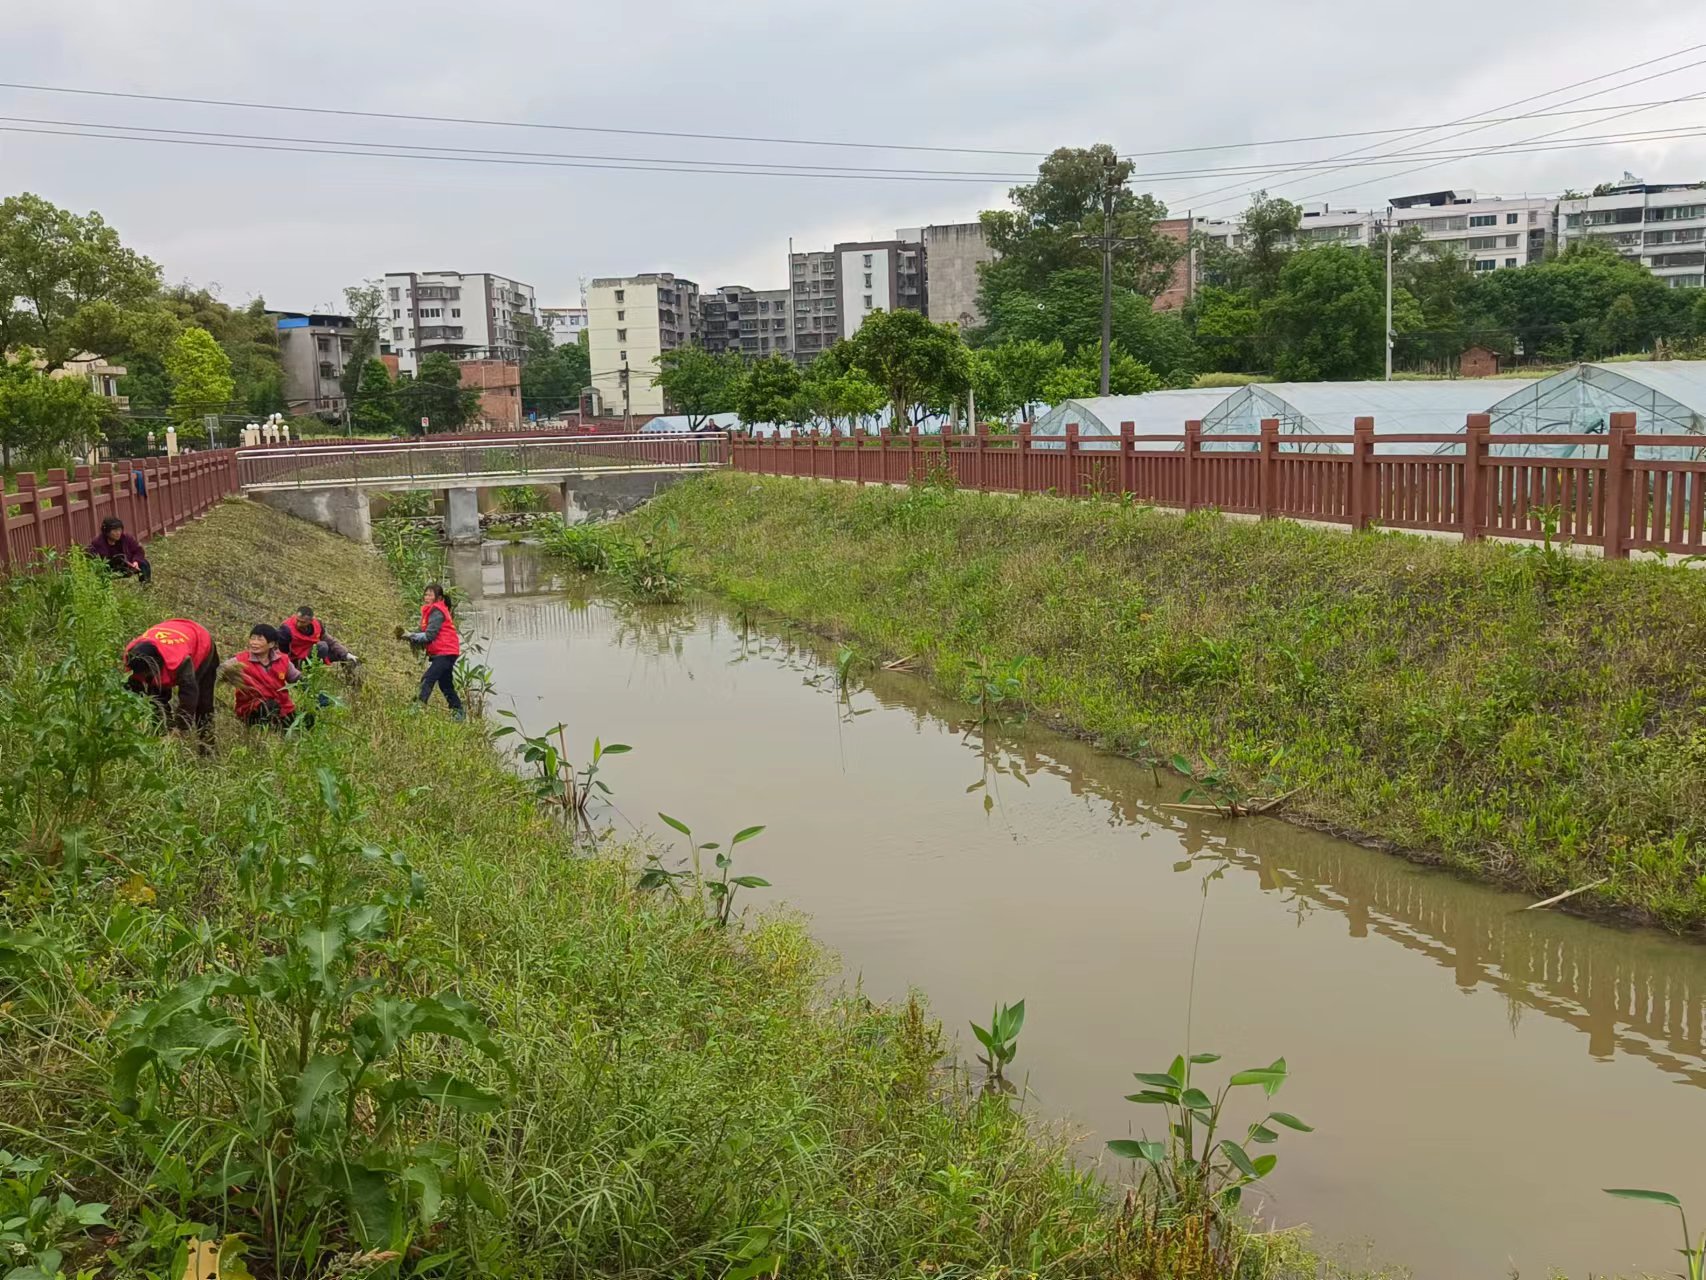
269 715
201 714
441 671
143 572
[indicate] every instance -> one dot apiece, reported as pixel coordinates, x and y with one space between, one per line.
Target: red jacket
302 643
263 681
446 641
178 640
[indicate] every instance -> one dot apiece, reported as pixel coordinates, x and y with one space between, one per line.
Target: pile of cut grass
1528 717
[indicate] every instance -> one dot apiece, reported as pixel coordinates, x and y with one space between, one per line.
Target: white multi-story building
1660 225
1318 225
631 321
564 324
1490 233
463 315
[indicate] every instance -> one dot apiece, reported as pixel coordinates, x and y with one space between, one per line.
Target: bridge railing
427 464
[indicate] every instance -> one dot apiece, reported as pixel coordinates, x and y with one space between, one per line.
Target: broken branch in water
1234 809
1568 893
900 664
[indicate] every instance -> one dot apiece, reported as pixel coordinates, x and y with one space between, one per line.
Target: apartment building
750 322
1660 225
460 314
564 324
953 252
1490 233
313 350
631 321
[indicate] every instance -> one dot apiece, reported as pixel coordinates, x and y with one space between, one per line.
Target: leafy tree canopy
697 382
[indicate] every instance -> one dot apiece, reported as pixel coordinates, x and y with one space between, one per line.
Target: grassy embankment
352 990
1528 717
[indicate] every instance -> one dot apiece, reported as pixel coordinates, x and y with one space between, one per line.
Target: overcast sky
999 74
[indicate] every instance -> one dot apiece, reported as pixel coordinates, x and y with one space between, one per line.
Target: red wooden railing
1616 496
63 511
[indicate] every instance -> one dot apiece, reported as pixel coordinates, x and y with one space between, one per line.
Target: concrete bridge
329 483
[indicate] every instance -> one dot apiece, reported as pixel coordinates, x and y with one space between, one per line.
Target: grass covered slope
598 1082
1532 718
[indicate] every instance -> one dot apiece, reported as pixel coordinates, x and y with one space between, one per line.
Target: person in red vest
304 636
176 654
443 647
263 676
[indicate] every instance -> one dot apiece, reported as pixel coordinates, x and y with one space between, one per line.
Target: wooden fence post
1026 453
1128 459
1619 485
1267 477
1188 490
1473 517
1357 505
979 450
1073 479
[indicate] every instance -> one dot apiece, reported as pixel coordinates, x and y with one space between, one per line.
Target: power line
1550 93
716 166
510 124
346 147
461 159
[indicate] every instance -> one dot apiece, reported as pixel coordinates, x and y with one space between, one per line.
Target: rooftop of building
312 320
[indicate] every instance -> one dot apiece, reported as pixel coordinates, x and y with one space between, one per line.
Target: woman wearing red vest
443 646
262 675
176 654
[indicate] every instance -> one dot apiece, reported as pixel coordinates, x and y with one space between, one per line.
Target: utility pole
1110 167
1389 293
627 404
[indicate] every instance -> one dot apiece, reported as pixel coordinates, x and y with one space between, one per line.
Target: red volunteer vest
176 639
262 681
302 643
448 641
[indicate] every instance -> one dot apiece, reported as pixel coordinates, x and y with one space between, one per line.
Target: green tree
201 380
436 393
1127 376
552 380
68 285
1068 309
1055 221
373 408
1022 367
42 416
1227 324
1267 237
1327 316
831 391
914 361
365 304
769 391
697 382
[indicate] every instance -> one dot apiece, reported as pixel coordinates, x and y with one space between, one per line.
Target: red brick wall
1178 290
499 382
1477 362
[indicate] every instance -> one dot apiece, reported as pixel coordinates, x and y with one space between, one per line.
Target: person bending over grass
120 552
304 636
443 646
263 677
176 654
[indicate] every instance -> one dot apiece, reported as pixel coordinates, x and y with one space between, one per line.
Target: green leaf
1012 1020
1157 1079
1183 766
1291 1122
765 1266
1202 1059
1240 1160
372 1206
751 882
1632 1193
1270 1078
1153 1152
1177 1071
453 1091
677 824
1195 1099
126 1070
1261 1133
745 834
321 1083
616 749
1153 1095
421 1180
322 947
1264 1165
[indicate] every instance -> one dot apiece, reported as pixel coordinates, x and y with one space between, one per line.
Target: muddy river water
1476 1074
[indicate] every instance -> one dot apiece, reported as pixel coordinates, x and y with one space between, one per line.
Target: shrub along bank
1527 716
351 1002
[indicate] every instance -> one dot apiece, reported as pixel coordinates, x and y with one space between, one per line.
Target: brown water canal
1475 1074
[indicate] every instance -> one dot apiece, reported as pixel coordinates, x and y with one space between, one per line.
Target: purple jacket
127 550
